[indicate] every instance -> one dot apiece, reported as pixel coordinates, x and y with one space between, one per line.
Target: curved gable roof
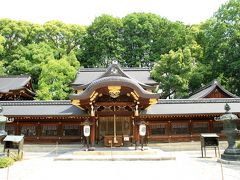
208 89
113 81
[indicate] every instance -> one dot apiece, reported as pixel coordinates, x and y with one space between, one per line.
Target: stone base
228 162
230 157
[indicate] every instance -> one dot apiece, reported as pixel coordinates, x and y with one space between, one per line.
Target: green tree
54 80
181 72
18 33
170 36
30 59
103 42
139 31
147 36
2 68
221 39
177 70
64 38
2 41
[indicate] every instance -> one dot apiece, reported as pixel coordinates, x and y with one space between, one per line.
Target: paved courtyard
188 165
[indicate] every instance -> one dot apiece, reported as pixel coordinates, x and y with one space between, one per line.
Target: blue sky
84 11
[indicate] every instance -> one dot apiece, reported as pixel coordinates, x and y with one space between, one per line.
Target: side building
114 102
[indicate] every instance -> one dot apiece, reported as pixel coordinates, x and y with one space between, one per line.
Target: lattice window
28 130
180 128
158 129
49 130
71 130
201 127
10 129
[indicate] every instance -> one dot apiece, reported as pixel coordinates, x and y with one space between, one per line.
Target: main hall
114 102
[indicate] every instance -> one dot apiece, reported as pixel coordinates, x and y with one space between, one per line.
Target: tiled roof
87 75
190 106
8 83
164 107
40 108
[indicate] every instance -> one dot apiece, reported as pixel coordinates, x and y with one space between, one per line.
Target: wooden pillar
190 129
59 131
147 134
92 134
169 131
210 126
135 133
38 130
17 128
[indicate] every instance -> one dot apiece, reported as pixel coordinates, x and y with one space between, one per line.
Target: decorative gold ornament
92 111
135 96
93 96
152 101
76 102
114 91
136 111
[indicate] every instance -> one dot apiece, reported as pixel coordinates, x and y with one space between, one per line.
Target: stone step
122 154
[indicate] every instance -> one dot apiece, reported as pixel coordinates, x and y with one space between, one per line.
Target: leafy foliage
173 71
55 78
63 38
181 57
2 68
103 42
5 162
221 39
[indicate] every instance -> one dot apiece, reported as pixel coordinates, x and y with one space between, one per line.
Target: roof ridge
91 69
104 69
136 69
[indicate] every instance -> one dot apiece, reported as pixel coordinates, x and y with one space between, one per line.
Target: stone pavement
40 163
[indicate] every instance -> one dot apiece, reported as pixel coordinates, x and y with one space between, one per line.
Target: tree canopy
181 57
221 39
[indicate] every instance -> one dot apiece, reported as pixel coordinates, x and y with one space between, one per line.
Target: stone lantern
232 153
3 121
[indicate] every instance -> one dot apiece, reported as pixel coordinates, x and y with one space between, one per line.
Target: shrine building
114 102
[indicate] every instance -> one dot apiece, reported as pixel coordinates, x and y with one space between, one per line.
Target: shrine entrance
113 101
115 130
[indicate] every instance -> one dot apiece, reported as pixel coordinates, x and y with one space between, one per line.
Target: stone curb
228 162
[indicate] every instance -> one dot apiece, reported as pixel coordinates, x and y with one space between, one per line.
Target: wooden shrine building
16 88
114 102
